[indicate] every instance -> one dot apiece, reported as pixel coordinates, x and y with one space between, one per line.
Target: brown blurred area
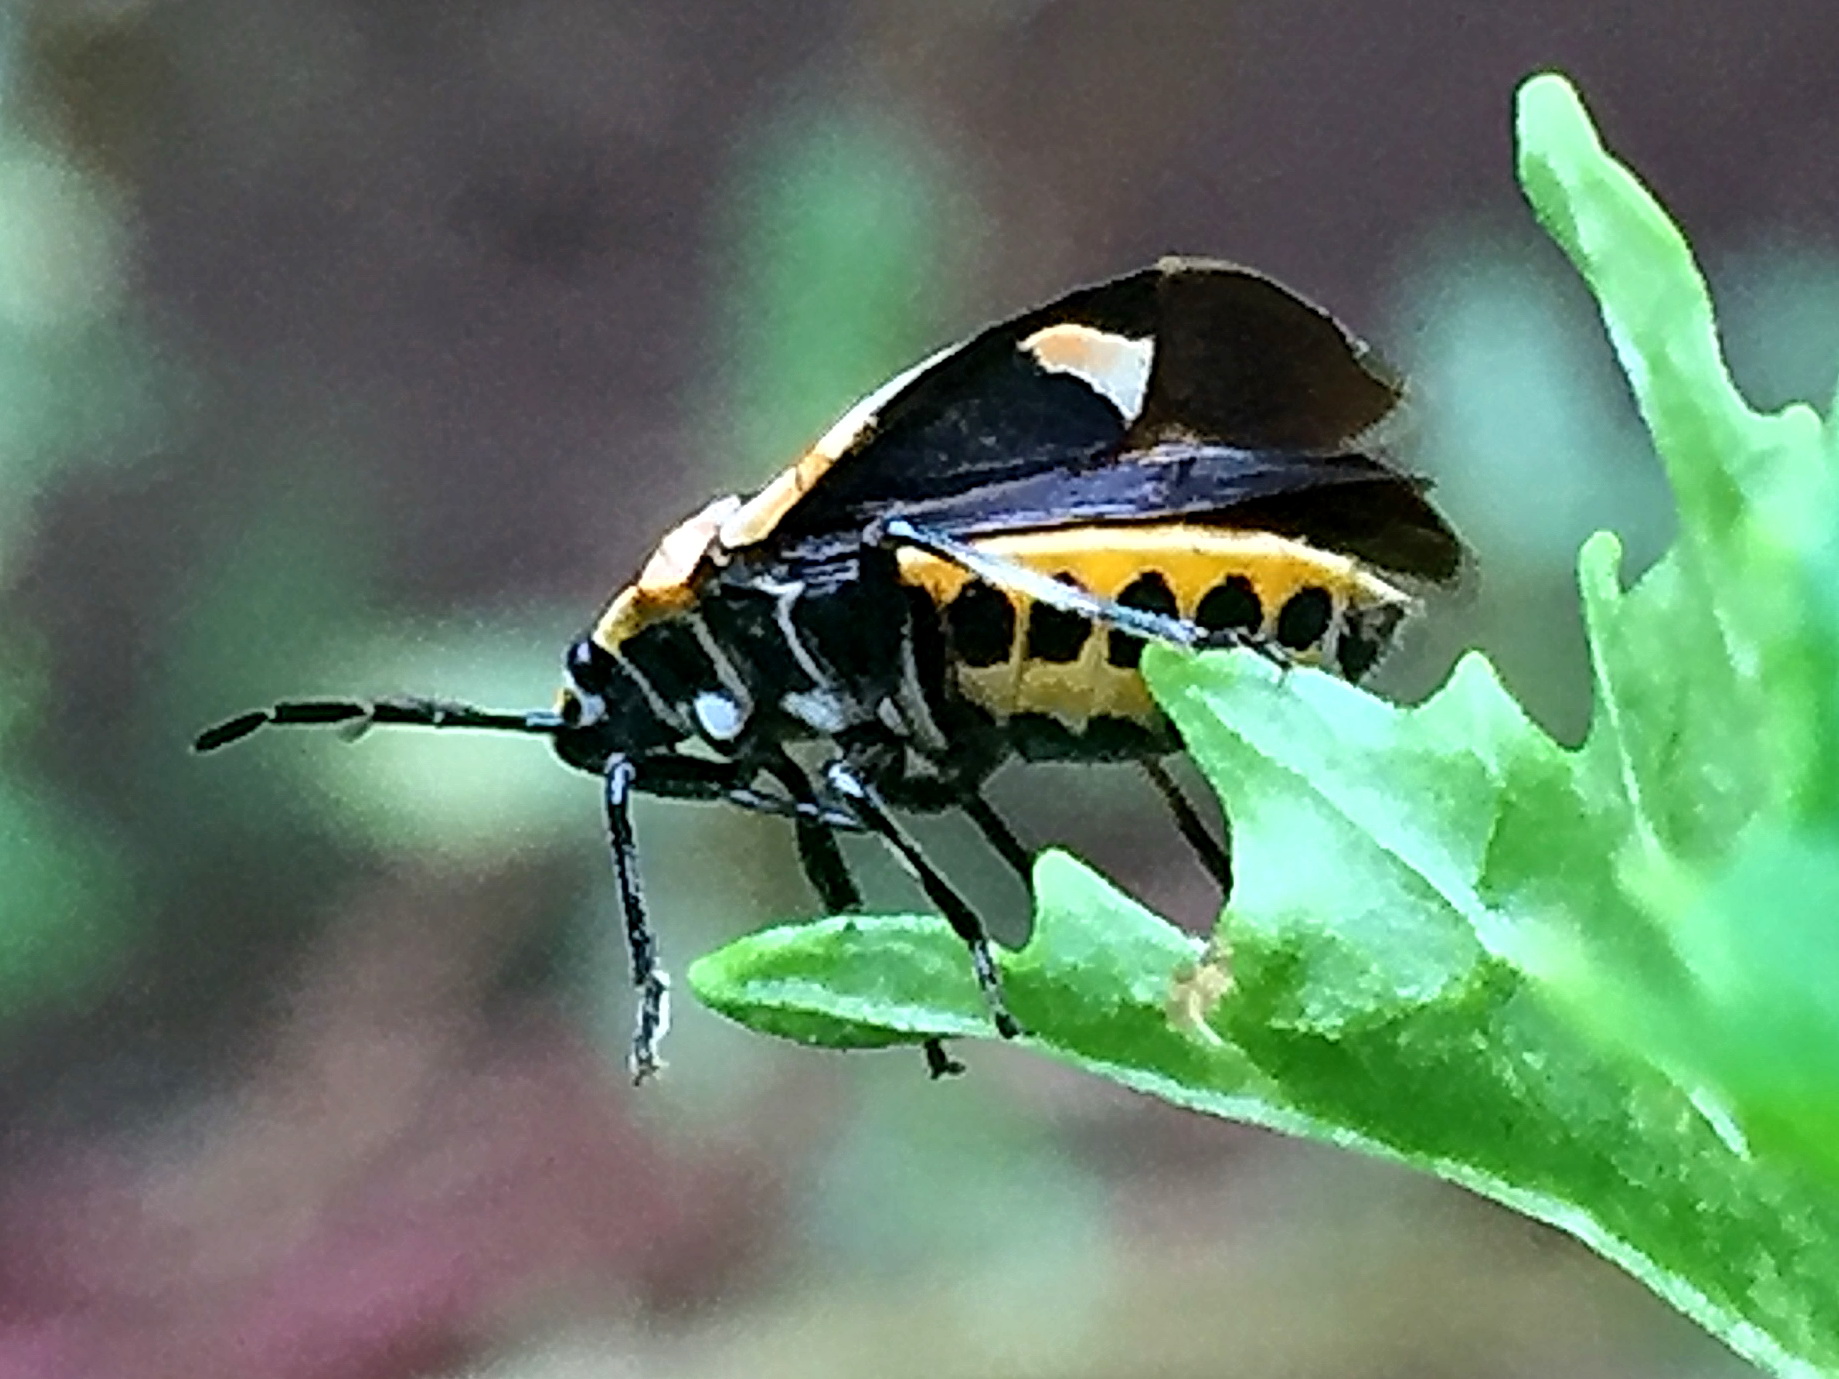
404 328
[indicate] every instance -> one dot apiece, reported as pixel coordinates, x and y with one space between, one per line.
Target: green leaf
1093 984
1598 985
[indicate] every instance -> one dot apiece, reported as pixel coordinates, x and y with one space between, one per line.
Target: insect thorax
759 654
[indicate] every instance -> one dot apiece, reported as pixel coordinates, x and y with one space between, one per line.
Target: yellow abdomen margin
1013 657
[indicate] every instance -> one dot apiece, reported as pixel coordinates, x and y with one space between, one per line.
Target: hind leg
1215 854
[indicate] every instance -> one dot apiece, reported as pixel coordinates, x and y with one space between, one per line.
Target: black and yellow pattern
1011 655
962 569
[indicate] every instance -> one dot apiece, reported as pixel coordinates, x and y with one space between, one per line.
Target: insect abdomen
1073 688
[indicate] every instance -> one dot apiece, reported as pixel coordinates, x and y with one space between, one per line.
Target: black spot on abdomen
1357 653
1055 634
1152 594
1232 604
1365 637
981 624
1305 618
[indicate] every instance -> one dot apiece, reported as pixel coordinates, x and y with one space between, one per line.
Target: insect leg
866 800
940 1063
648 978
958 786
360 716
997 833
819 853
1215 854
1019 578
1000 836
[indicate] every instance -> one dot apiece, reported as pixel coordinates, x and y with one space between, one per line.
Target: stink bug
964 569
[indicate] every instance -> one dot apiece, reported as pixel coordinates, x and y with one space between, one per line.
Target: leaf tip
1552 130
712 980
1599 560
1547 102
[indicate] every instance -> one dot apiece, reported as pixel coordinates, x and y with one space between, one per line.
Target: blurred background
366 345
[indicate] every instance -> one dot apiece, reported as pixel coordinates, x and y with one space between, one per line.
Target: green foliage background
363 349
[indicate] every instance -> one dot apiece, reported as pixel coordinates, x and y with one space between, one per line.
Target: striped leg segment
649 980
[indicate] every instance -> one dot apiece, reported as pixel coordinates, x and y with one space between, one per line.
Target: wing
1188 388
1346 503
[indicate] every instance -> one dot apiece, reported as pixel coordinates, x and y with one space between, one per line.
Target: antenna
359 718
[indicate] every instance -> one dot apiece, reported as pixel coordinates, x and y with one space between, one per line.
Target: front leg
649 979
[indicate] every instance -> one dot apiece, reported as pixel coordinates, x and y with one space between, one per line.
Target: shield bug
964 570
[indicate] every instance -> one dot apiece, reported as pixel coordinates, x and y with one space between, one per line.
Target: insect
964 570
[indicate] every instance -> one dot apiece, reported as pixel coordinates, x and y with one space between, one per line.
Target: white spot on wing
1113 365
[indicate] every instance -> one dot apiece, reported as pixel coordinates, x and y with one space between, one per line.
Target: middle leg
862 796
1215 854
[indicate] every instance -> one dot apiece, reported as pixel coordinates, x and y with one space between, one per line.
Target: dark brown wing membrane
1244 361
1257 404
1348 503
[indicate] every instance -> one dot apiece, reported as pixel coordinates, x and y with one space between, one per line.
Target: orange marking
755 519
667 583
